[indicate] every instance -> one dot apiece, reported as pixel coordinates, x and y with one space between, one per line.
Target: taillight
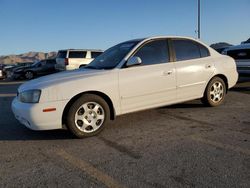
66 61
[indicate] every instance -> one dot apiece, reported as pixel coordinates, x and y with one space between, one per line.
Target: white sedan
131 76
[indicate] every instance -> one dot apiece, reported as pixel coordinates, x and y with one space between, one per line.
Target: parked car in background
73 59
8 69
131 76
2 73
221 46
246 42
39 68
241 54
25 64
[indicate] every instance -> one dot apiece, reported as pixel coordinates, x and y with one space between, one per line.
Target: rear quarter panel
226 66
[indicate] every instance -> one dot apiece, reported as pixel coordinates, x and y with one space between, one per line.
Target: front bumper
33 117
17 75
2 74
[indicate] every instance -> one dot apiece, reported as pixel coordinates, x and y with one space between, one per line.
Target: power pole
199 19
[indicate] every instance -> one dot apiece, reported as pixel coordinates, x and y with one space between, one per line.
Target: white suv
73 59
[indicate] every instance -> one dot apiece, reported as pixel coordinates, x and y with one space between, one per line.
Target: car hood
58 78
22 68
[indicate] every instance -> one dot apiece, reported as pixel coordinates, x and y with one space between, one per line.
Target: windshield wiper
98 68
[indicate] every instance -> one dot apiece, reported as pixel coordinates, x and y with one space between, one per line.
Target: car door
44 68
38 68
194 68
151 84
50 64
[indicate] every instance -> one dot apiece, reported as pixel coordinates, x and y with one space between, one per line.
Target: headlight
30 96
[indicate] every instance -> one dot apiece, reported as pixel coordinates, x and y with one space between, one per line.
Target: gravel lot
185 145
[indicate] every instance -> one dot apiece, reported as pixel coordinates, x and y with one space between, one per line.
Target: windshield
36 64
113 56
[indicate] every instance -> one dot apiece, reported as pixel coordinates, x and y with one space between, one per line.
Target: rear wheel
88 116
215 92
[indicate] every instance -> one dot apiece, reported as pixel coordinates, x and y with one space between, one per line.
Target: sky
50 25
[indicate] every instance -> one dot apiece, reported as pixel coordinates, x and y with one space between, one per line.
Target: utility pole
199 19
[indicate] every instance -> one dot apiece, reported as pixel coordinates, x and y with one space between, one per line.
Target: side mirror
132 61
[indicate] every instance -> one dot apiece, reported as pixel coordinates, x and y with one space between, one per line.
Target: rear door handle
208 66
166 73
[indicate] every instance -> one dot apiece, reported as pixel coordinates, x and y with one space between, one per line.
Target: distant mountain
26 57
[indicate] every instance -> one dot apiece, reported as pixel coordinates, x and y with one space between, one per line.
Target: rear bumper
60 67
243 69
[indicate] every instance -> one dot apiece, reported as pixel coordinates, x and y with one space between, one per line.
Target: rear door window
77 54
186 49
204 51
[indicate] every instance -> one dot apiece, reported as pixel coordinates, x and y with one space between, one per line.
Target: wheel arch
98 93
223 77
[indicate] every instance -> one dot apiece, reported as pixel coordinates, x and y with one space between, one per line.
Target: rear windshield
95 54
62 54
77 54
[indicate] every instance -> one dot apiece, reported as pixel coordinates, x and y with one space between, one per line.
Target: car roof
170 37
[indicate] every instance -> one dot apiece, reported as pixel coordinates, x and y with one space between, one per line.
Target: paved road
185 145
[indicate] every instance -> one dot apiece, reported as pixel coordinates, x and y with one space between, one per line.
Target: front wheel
215 92
29 75
88 116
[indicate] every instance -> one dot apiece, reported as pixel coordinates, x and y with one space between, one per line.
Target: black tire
29 75
76 107
209 98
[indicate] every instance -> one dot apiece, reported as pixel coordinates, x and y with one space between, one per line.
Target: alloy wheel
89 117
216 92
